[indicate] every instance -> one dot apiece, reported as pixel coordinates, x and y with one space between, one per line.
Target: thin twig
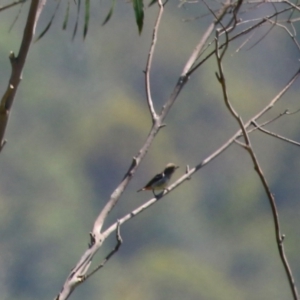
288 31
275 135
218 16
11 5
149 62
286 112
249 148
16 18
278 234
262 125
268 31
246 41
113 251
186 72
241 33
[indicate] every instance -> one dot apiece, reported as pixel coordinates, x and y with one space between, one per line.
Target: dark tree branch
249 148
197 52
11 5
17 64
260 22
110 254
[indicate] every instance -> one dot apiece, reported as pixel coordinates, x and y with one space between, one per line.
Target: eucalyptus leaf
77 19
86 18
66 19
138 7
49 24
109 13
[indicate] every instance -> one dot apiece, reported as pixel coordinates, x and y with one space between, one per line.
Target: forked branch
97 237
248 146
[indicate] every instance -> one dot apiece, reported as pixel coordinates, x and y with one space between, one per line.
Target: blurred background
79 117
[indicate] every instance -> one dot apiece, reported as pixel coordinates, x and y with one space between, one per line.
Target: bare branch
269 30
191 171
288 31
155 128
241 33
285 113
296 7
98 236
17 64
187 176
275 135
11 5
278 234
249 148
205 37
246 40
113 251
277 97
149 62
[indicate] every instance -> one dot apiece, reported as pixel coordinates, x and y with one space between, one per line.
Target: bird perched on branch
161 180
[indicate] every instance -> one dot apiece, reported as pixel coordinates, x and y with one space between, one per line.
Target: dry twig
248 146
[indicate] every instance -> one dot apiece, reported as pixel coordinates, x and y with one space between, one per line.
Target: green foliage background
79 117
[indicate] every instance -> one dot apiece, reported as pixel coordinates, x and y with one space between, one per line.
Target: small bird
161 180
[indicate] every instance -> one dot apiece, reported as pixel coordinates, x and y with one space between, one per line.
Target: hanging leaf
109 13
86 18
138 7
77 19
49 24
152 2
66 16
